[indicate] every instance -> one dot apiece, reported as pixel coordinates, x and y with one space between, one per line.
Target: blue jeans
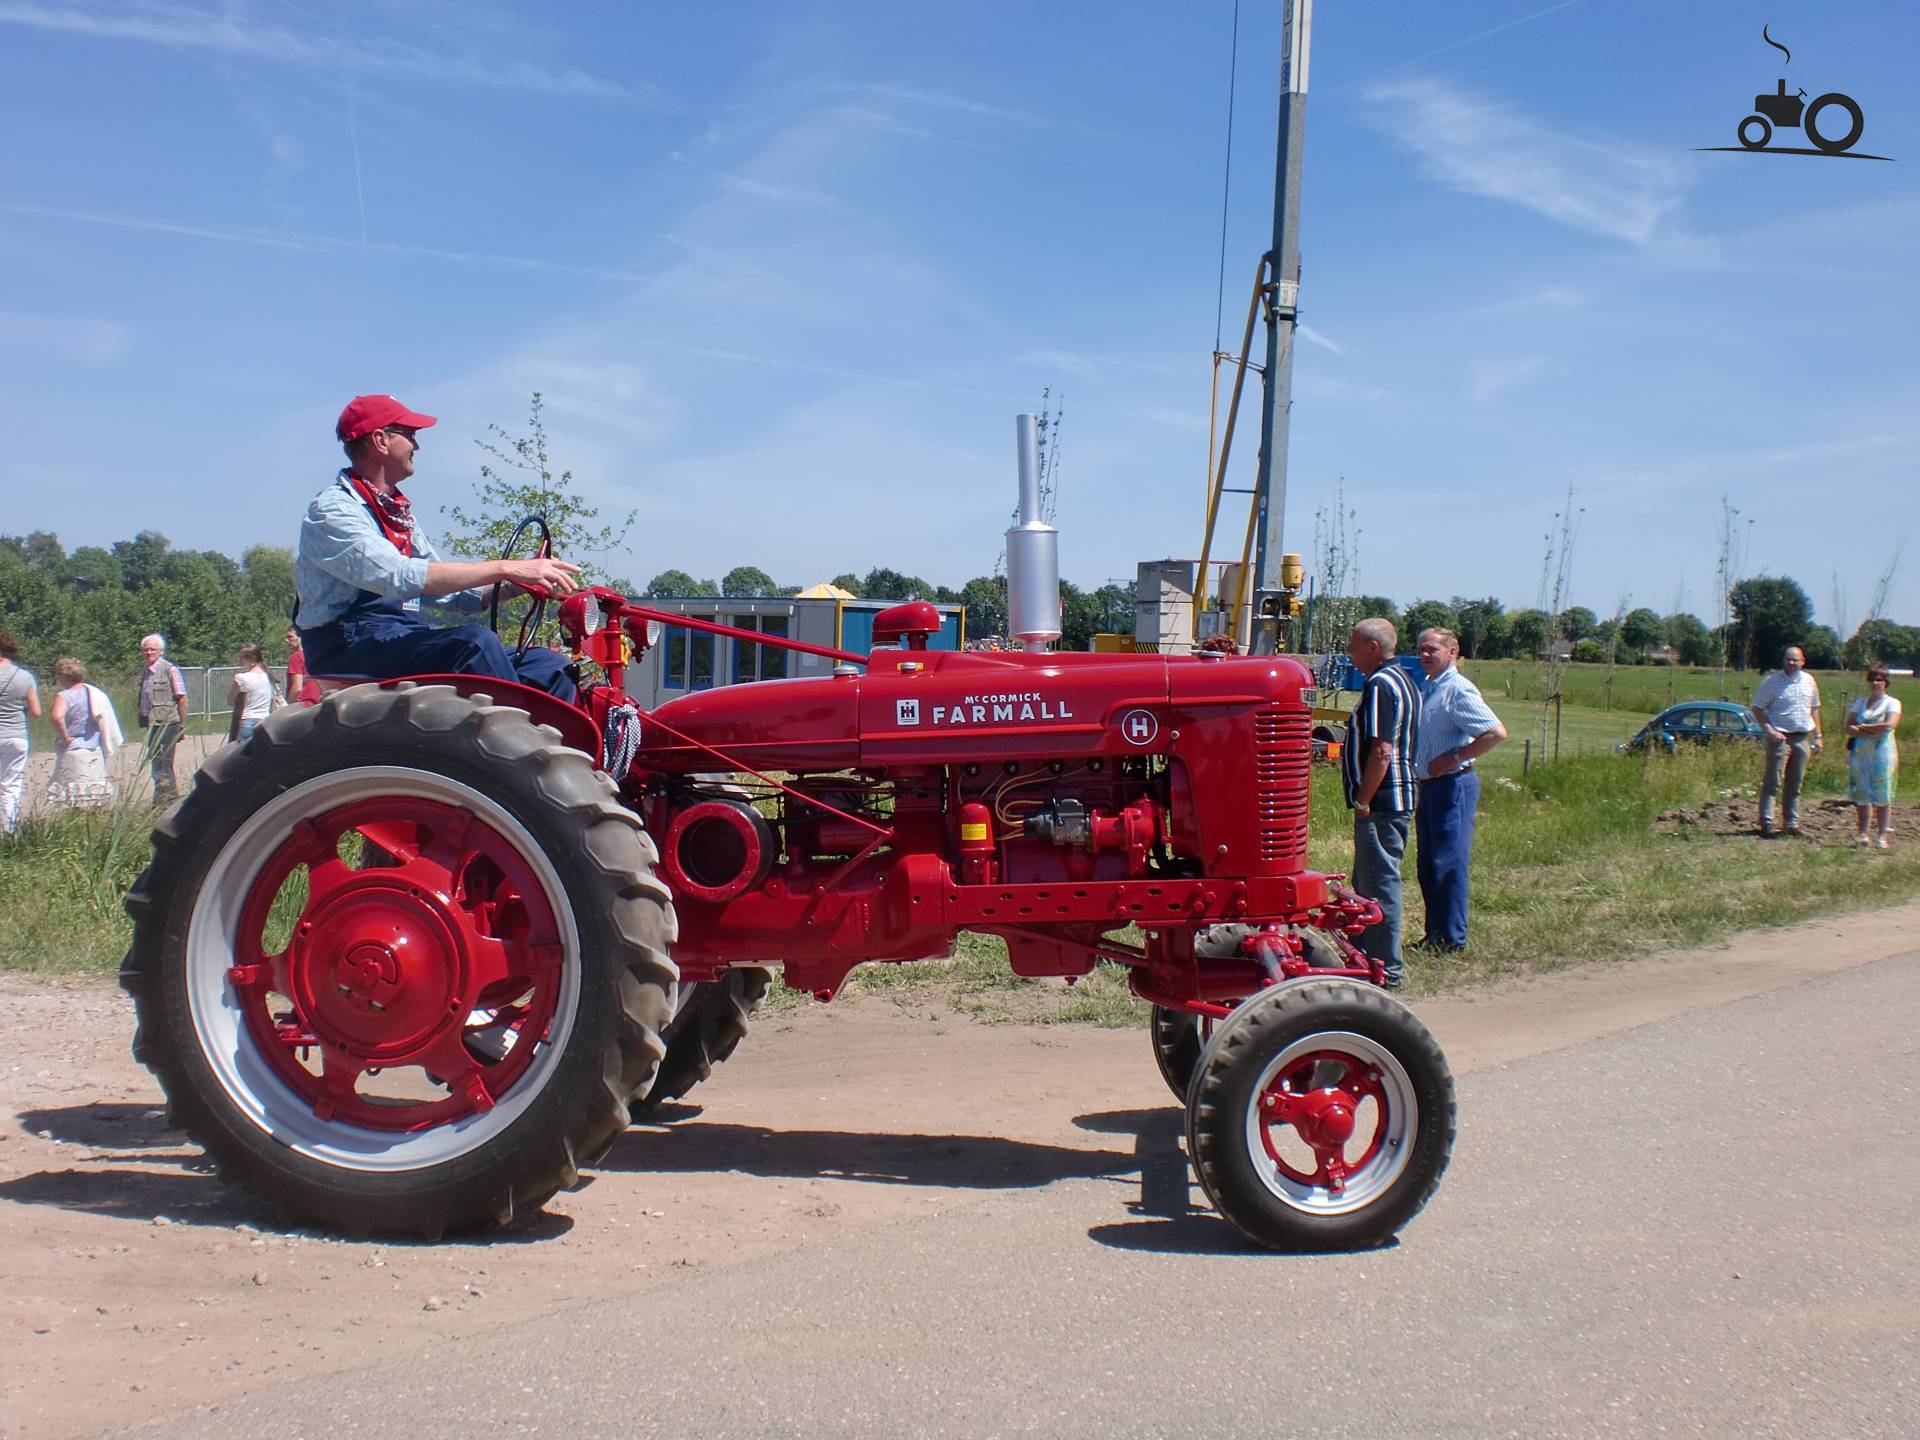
384 642
1443 829
1378 843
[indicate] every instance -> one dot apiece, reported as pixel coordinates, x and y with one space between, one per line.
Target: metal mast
1282 314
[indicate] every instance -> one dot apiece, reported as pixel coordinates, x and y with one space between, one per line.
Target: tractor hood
936 707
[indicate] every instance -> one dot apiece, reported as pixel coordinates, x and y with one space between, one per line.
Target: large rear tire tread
708 1027
625 927
1262 1028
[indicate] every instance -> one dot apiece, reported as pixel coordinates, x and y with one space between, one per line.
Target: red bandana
392 513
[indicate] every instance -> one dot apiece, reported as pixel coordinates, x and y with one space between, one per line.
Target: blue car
1695 722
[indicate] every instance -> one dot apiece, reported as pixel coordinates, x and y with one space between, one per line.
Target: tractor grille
1282 753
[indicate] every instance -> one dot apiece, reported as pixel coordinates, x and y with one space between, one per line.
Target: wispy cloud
197 30
1326 387
1486 34
1484 147
92 342
1314 337
314 244
1541 297
1489 379
1062 360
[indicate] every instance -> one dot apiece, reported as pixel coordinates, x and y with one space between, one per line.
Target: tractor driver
365 565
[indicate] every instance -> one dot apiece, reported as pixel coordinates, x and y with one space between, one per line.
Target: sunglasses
406 433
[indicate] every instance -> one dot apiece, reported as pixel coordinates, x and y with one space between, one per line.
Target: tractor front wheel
706 1029
400 962
1322 1116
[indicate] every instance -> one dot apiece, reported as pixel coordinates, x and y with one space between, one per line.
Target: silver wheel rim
249 1079
1399 1124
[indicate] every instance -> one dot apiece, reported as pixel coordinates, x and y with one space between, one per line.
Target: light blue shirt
343 551
1452 715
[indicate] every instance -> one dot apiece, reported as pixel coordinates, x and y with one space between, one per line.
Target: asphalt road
1704 1225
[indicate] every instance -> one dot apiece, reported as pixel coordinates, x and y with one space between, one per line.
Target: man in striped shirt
1377 765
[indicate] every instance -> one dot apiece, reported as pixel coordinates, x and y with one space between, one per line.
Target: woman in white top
80 769
251 694
19 698
1873 758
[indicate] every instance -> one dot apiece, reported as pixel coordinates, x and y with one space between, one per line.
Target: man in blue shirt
1456 728
364 566
1377 766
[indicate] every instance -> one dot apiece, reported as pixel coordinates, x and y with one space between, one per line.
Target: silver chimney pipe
1033 552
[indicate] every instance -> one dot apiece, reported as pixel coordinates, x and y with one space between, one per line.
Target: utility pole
1283 301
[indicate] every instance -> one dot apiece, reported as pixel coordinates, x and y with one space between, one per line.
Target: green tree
1483 627
848 583
1589 651
1877 642
1821 645
93 568
1643 630
520 481
1116 609
1532 632
744 580
1080 617
1426 615
679 584
1371 607
140 558
985 597
884 584
1769 613
1577 623
1692 643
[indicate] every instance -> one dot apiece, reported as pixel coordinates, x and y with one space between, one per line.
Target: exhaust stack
1033 553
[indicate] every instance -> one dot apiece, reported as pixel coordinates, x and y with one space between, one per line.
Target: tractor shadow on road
128 1165
961 1162
1166 1220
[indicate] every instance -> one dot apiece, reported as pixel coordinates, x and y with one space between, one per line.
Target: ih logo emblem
1140 727
906 712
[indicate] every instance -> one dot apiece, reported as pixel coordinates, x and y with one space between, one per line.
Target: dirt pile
1737 812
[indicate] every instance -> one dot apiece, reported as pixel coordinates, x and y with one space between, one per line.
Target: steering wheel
530 622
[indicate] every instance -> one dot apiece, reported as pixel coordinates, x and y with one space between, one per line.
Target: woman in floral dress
1873 759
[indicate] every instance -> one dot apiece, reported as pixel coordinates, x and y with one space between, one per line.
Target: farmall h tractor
408 959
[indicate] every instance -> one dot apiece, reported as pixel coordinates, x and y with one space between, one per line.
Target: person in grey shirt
19 698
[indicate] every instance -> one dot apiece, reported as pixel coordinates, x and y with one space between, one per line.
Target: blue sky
786 272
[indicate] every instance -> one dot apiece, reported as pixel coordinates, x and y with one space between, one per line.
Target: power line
1226 178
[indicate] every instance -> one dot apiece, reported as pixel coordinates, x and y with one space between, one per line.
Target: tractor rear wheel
400 962
706 1029
1322 1116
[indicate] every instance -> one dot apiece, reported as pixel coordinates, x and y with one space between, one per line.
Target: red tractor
408 959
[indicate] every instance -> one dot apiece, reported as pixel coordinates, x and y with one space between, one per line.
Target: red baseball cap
367 413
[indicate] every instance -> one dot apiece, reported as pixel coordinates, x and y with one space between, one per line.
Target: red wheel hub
439 950
1320 1097
378 966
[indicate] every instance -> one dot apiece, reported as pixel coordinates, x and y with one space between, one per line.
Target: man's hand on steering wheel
556 577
